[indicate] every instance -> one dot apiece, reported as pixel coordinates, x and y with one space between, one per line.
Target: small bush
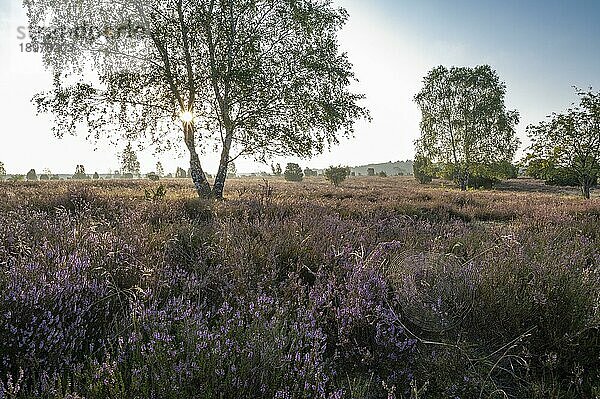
276 170
479 175
231 170
337 174
180 173
31 175
308 172
153 176
155 195
479 181
17 178
293 172
506 170
564 177
80 173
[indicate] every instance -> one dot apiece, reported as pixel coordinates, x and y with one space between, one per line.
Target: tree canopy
567 145
245 77
465 123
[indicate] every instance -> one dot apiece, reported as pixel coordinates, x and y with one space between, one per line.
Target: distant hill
390 168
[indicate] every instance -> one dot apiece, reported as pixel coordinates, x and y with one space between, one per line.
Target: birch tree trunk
198 176
219 185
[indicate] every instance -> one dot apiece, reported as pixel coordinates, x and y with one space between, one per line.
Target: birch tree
243 77
465 122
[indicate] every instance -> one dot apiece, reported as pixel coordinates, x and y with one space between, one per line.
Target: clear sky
539 48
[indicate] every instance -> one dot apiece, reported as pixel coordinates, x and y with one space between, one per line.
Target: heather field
381 288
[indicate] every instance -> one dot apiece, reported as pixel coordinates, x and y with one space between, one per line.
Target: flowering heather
379 289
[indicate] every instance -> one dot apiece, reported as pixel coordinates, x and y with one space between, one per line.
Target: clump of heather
392 290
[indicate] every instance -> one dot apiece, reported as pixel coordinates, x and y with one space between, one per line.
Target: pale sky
539 48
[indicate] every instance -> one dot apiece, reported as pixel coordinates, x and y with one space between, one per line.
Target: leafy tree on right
465 125
567 145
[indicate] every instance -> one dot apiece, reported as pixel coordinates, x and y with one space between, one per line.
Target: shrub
293 172
370 172
543 169
382 174
231 170
31 175
337 174
276 169
479 175
80 173
482 181
308 172
423 169
160 171
129 161
153 176
536 168
17 178
564 177
180 173
155 195
507 170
